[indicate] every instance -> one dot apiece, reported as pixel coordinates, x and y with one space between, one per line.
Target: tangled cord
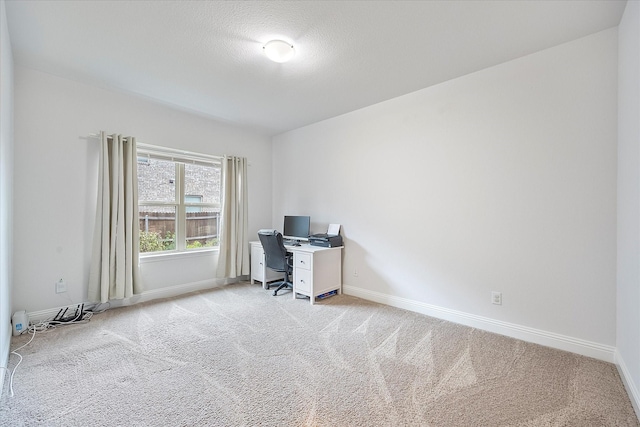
81 316
20 356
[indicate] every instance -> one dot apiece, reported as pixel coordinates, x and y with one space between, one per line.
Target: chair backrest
274 251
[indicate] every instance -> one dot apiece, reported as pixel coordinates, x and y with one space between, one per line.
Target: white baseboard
632 390
168 292
174 291
537 336
4 357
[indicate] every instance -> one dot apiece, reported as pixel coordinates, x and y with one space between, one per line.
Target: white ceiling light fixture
279 51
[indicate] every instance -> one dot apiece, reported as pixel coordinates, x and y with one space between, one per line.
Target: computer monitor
296 227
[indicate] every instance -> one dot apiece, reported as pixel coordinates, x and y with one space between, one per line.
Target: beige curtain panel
233 260
114 263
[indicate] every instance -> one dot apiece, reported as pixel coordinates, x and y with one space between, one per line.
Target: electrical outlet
61 286
496 298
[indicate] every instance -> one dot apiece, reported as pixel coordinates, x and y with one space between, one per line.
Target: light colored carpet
237 356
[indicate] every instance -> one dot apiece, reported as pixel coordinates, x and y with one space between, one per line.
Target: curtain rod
161 148
97 135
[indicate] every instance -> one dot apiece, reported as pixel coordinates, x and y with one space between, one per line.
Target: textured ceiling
206 56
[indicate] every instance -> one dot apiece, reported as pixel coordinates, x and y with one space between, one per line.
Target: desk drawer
302 260
303 280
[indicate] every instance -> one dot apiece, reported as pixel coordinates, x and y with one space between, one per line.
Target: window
178 200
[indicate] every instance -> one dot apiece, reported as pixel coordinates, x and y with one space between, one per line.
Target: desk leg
264 274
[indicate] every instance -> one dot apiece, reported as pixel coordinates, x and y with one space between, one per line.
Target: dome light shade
279 51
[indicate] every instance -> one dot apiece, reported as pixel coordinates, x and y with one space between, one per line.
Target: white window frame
180 158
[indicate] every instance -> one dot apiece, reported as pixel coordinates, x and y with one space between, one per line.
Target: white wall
6 189
504 179
55 181
628 310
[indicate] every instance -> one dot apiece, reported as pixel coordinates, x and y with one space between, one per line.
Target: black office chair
277 258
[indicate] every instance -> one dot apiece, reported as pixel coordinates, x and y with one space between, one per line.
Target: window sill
170 256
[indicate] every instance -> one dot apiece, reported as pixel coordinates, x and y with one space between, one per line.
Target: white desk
316 270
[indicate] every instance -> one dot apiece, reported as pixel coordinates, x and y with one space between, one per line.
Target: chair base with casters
277 258
285 284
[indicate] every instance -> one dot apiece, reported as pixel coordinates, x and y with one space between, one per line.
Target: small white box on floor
20 322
